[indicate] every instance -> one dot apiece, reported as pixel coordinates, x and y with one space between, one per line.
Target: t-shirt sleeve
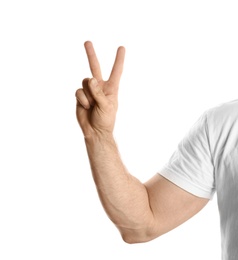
191 166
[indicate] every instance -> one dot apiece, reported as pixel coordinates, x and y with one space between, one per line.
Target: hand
97 100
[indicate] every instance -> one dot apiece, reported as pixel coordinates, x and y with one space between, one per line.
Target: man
206 161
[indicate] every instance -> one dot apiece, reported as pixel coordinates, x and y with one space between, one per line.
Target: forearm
123 197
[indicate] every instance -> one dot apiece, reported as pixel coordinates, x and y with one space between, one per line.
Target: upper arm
170 205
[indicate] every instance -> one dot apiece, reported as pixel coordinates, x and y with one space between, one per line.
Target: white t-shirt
206 161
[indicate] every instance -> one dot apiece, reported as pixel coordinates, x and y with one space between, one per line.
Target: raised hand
97 100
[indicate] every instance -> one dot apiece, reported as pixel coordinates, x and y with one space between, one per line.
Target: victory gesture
97 100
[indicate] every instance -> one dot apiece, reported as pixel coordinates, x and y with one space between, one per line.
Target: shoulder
222 113
222 129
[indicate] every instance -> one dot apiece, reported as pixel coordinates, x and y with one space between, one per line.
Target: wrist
99 137
100 144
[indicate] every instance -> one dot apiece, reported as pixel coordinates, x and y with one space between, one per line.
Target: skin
140 211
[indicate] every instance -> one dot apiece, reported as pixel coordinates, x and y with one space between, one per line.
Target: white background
181 60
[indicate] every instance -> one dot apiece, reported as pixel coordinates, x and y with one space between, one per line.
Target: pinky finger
82 99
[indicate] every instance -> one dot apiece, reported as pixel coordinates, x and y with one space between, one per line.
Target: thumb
97 92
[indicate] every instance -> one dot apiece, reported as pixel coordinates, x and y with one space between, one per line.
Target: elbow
135 236
129 239
134 232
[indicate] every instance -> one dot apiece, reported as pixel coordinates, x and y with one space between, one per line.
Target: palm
101 115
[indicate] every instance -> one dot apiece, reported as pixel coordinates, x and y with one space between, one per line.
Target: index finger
118 66
93 61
